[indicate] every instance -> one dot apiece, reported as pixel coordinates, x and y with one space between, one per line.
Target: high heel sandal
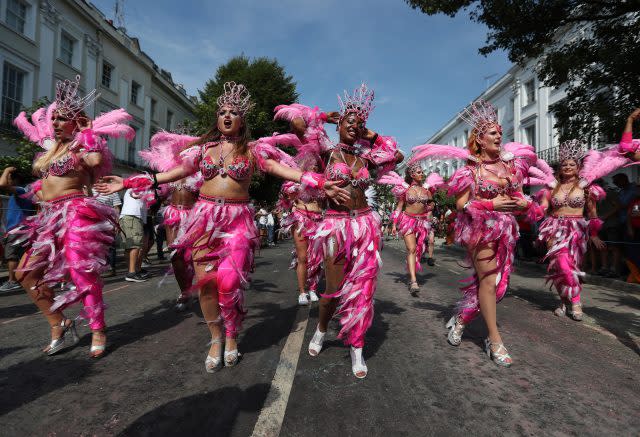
213 364
500 358
315 345
414 287
561 311
97 350
358 366
182 303
576 315
68 338
231 357
456 328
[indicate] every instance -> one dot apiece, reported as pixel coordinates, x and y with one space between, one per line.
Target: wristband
138 182
312 180
395 216
595 224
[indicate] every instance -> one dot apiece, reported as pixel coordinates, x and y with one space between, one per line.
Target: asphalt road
568 378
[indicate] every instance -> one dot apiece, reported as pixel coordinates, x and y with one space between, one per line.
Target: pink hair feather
434 180
599 164
438 151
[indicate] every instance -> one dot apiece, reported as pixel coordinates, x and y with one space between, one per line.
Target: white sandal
231 357
213 364
315 346
500 358
456 328
357 363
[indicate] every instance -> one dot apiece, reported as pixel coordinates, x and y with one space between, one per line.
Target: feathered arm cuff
595 224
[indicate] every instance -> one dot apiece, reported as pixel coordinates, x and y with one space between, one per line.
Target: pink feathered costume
70 237
476 226
220 233
417 224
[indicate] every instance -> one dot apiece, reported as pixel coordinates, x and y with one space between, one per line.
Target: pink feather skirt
221 237
70 238
353 238
306 223
418 225
499 231
569 235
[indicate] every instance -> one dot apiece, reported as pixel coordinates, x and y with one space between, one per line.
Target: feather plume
164 151
437 151
599 164
434 180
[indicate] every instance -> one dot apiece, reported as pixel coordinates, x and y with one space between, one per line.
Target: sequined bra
570 201
61 166
239 169
419 197
488 189
340 171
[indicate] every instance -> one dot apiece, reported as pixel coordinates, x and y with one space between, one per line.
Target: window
465 138
16 15
135 92
66 48
154 104
530 135
169 120
131 153
529 92
107 73
13 81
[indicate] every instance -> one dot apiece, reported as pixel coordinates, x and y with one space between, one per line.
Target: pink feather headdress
480 115
413 167
434 181
360 103
236 96
599 164
68 102
164 150
41 131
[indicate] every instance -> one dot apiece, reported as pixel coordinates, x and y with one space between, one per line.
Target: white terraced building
523 111
42 41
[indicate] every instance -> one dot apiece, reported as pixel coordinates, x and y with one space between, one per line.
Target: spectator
114 201
261 216
132 219
18 208
611 233
161 235
632 249
270 228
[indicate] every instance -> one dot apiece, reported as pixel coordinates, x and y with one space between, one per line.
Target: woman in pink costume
220 235
570 198
68 241
306 205
183 195
349 235
413 214
488 193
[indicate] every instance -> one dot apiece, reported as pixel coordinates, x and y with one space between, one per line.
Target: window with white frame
169 120
107 74
131 153
465 138
136 89
530 135
67 47
13 82
154 105
16 15
529 92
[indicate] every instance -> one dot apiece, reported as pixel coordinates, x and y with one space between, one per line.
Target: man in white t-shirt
112 200
270 225
262 225
132 219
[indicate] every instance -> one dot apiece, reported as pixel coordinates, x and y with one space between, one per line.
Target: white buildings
42 41
523 111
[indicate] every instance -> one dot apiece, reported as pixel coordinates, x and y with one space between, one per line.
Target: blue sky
423 69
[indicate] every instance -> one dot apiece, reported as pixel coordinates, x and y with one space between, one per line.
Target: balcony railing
551 155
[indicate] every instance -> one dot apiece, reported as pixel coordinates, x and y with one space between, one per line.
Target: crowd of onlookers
142 227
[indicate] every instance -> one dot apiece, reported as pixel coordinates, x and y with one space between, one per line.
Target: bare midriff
308 206
184 198
72 182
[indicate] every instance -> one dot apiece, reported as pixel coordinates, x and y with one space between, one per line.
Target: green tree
591 46
269 86
26 150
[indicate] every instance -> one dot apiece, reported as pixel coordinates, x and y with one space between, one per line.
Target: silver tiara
68 102
572 149
236 96
480 115
360 102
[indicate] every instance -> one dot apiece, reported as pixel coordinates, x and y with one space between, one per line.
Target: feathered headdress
480 115
413 167
360 102
236 96
68 102
572 149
